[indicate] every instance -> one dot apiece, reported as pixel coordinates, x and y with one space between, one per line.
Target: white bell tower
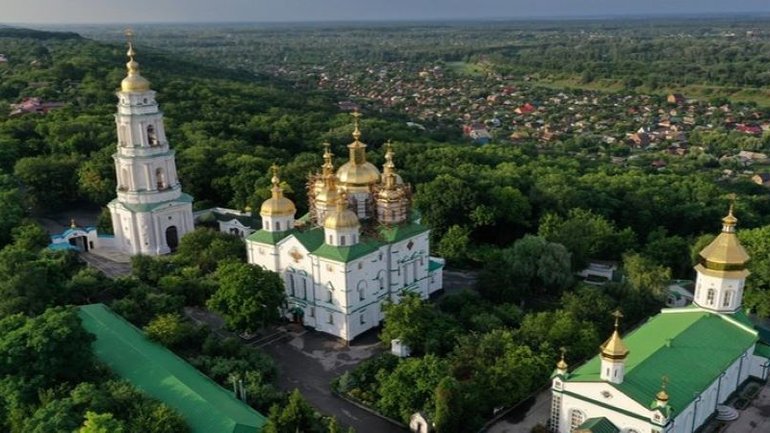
150 214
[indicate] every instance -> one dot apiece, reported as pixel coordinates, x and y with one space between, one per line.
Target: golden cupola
277 205
134 81
325 186
724 256
357 175
342 218
614 348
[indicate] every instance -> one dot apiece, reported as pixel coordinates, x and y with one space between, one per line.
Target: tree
449 408
168 329
101 423
248 296
205 248
295 416
50 181
411 386
418 325
454 245
646 276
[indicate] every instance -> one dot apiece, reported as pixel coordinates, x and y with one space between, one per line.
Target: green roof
763 350
205 406
597 425
400 232
434 265
266 237
313 241
673 343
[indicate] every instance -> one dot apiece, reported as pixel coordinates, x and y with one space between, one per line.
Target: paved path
756 417
527 415
309 361
110 268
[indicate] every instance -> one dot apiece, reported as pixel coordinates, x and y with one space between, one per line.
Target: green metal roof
763 350
266 237
690 346
313 240
434 265
400 232
205 406
597 425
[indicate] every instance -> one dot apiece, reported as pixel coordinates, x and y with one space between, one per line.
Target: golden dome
562 364
277 205
134 81
662 395
357 171
725 253
342 217
614 348
328 192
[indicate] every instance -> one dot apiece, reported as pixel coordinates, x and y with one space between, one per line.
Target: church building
359 246
675 372
151 213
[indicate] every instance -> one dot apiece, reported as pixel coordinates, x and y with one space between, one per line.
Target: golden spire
328 167
389 168
562 364
72 223
614 348
134 82
356 131
277 205
662 395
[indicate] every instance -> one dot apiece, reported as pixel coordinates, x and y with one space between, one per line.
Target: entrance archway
79 242
172 238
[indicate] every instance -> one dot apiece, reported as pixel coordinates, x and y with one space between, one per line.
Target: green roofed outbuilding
205 406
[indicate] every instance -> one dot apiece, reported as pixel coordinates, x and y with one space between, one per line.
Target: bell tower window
160 178
151 137
710 297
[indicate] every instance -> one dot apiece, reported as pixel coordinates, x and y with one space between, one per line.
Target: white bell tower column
151 213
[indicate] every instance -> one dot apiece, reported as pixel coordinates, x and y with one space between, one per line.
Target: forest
525 217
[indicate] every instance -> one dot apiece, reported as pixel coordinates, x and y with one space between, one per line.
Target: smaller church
674 373
359 246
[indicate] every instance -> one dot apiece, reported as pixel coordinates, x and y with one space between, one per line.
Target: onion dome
614 348
277 205
134 81
389 191
357 171
342 217
725 255
562 364
327 169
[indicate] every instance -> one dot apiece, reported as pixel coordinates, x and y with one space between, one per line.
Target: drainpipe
719 389
694 414
740 370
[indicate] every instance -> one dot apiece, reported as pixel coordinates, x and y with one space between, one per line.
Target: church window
727 298
555 409
291 284
362 319
160 178
360 265
361 295
278 226
151 137
312 312
304 288
329 296
576 418
342 240
331 319
710 297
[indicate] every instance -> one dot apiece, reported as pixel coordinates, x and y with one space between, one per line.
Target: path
110 266
527 415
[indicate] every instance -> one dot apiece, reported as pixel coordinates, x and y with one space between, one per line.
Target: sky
142 11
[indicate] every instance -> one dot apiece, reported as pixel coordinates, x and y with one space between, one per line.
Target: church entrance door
172 238
80 242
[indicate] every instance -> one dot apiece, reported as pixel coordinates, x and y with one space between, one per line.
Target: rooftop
670 344
204 405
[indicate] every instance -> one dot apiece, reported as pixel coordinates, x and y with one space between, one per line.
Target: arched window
291 284
727 298
160 178
342 240
124 181
710 297
151 137
361 290
304 287
278 226
329 296
576 418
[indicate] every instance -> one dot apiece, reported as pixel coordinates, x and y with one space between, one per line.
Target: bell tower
151 213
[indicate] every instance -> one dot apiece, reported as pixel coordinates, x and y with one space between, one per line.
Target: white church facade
150 213
358 247
673 373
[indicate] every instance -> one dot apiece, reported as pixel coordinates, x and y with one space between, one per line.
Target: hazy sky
138 11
